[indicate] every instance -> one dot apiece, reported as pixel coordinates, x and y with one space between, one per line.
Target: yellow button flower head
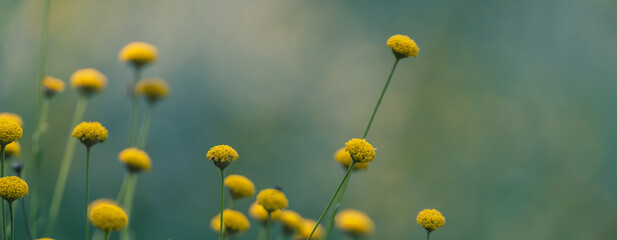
307 228
239 186
13 117
272 199
13 188
135 160
88 81
90 133
402 46
108 217
100 202
138 54
259 213
234 222
292 221
360 150
12 149
52 85
10 131
153 89
430 219
344 158
222 155
355 223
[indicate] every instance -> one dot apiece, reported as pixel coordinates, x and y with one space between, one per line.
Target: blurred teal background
505 122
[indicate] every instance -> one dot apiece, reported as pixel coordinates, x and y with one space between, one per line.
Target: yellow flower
430 219
135 160
360 150
52 85
13 117
272 199
292 221
153 89
239 186
99 202
259 213
355 223
108 217
234 222
10 131
45 239
403 46
307 228
222 155
13 188
88 80
90 133
12 149
138 53
344 158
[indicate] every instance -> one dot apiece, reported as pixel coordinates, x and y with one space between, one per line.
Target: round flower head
108 217
307 228
90 133
51 86
360 150
100 202
259 213
239 186
13 188
12 149
344 158
153 89
88 81
12 117
272 199
430 219
10 131
402 46
222 155
292 221
138 54
135 160
234 222
355 223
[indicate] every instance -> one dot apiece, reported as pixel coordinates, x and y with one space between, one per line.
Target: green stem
122 192
26 223
222 203
2 152
383 92
87 198
262 233
12 220
34 162
107 235
127 202
43 53
232 203
337 207
135 107
65 165
145 126
269 225
427 234
347 175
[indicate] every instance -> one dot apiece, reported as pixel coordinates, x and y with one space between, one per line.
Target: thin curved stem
347 175
383 92
222 203
87 198
269 225
145 126
12 220
128 203
135 106
26 223
337 207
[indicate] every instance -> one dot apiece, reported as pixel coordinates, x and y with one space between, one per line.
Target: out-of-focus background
505 122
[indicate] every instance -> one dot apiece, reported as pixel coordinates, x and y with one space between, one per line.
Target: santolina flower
138 53
135 160
402 46
222 155
153 89
108 217
344 158
88 81
355 223
234 222
100 202
10 131
307 228
90 133
13 188
12 149
360 150
430 219
13 117
259 213
292 221
52 85
239 186
272 199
